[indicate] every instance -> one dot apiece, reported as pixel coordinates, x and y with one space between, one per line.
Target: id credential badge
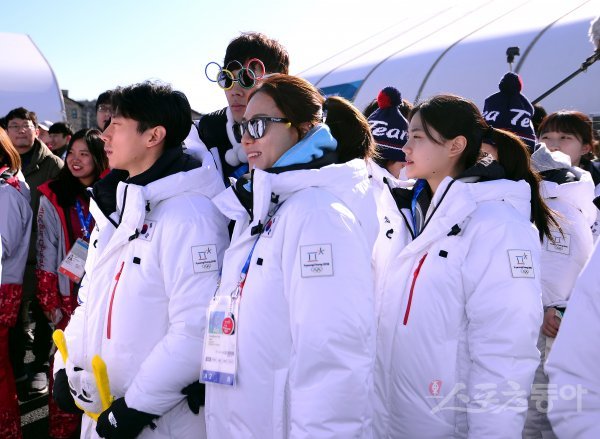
219 364
73 265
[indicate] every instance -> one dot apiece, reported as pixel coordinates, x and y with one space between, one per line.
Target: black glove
62 393
195 396
122 422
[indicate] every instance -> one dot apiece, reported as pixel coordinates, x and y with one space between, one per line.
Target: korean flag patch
521 263
147 230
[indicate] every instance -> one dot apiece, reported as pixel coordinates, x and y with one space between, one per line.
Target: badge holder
73 266
219 364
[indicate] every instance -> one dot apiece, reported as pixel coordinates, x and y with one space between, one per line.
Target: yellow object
101 376
61 343
99 369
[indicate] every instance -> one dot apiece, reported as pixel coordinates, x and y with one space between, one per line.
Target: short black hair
21 113
104 98
153 104
256 45
60 128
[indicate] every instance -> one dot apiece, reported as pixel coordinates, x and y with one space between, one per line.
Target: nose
552 145
247 138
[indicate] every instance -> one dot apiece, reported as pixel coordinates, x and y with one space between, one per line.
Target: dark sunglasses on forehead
257 126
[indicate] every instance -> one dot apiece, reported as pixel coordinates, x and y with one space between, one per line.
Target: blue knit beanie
388 126
510 110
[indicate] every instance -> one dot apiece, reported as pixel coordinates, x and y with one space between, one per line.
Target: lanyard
84 221
246 267
413 206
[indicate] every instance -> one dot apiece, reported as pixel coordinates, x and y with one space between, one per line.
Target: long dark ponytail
514 157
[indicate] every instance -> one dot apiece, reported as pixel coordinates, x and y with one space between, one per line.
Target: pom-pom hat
388 126
510 110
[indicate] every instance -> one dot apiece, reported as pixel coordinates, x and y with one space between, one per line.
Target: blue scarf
317 141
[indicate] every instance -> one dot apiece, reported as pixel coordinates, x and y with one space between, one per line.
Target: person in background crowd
460 316
539 113
567 190
15 228
43 134
571 133
216 130
510 110
60 135
572 365
63 218
155 257
387 171
298 271
103 110
404 107
38 165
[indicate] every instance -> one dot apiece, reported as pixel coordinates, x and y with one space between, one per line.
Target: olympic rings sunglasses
248 74
257 126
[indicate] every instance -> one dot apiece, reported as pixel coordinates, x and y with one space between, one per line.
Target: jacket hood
190 176
570 184
112 193
16 180
173 173
347 181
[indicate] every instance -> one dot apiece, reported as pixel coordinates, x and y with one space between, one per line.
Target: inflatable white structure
461 48
27 80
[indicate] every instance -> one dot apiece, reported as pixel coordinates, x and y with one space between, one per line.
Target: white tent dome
461 49
27 80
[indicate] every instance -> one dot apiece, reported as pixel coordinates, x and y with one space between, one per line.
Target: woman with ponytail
297 273
460 316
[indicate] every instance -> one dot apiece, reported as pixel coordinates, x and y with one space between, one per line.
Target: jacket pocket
280 403
112 299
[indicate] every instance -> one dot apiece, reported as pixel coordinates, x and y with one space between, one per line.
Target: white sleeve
332 327
572 366
504 313
153 390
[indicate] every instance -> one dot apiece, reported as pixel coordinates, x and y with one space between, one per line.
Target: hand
122 422
195 396
551 323
54 316
62 393
83 387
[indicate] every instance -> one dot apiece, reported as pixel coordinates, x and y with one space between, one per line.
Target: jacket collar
40 152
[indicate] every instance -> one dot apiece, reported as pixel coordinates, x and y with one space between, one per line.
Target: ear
304 128
156 136
586 148
457 146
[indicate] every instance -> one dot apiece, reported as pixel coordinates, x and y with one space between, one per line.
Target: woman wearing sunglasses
296 291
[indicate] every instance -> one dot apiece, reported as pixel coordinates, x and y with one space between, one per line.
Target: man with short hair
60 135
103 109
38 166
216 129
153 266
